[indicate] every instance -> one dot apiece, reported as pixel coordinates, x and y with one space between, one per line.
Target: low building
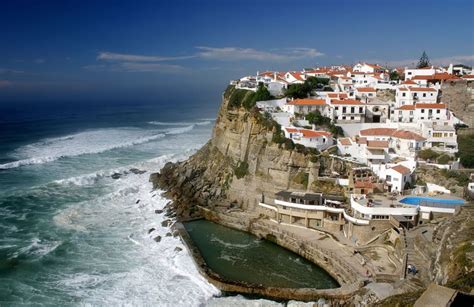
306 106
365 92
320 140
401 142
413 95
347 111
440 135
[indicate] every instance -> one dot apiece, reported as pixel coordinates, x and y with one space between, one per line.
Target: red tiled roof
345 141
308 133
401 169
296 75
430 106
347 102
377 144
401 134
422 89
409 82
337 95
407 135
365 89
363 184
407 107
305 102
361 141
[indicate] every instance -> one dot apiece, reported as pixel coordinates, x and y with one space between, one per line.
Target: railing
383 210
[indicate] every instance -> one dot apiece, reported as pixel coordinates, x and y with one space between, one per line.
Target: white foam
88 142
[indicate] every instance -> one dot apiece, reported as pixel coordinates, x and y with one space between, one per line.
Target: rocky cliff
240 165
459 96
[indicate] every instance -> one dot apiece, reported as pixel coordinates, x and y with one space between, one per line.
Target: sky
69 51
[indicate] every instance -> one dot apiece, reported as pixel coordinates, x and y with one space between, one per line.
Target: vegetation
245 98
394 75
424 61
301 178
428 154
461 177
466 150
464 280
315 118
241 170
304 90
401 300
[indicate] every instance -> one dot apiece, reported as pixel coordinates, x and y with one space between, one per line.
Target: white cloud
39 61
236 53
121 57
137 67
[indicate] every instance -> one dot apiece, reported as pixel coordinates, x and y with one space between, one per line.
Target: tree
424 61
262 94
394 75
298 90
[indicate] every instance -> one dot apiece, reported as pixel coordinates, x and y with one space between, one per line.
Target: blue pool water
416 200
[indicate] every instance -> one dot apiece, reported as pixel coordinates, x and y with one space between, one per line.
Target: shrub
444 159
461 178
301 178
466 150
428 154
241 170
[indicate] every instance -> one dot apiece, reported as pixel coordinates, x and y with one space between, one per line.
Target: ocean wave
89 142
38 248
201 122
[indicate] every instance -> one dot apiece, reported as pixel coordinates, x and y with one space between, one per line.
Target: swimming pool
418 200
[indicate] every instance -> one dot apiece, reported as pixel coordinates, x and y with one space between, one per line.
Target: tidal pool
239 256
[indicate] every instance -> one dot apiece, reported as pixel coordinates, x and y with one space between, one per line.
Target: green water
240 256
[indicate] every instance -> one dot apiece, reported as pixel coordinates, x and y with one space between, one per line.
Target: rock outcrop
459 96
239 166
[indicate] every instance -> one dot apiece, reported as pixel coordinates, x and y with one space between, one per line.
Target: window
422 110
352 117
343 109
451 134
343 118
437 134
352 109
438 111
404 94
424 94
411 112
361 110
388 178
337 108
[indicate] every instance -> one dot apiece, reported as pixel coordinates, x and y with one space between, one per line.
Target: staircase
422 277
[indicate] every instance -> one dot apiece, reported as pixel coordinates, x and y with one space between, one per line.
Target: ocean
71 234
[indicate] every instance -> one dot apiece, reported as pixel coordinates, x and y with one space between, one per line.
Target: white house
364 151
440 135
397 177
347 111
411 95
294 77
365 92
412 72
309 138
431 111
367 68
401 142
305 106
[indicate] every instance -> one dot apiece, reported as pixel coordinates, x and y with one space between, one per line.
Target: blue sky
151 50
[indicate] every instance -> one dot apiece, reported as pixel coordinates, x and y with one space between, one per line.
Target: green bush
241 170
466 150
428 154
461 177
444 159
301 178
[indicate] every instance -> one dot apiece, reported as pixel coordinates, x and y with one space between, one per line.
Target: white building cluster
385 135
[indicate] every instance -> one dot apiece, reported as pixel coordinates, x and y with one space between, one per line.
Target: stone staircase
422 277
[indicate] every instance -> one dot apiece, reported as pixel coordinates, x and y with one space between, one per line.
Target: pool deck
394 202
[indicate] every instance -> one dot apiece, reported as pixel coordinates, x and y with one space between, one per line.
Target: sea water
71 234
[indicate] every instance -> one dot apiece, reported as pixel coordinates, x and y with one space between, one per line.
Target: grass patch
241 170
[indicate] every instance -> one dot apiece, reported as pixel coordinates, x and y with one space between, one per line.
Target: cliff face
459 96
239 165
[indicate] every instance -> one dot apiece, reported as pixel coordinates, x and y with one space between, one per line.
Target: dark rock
168 234
158 211
137 201
157 239
178 249
116 176
151 230
166 223
137 171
